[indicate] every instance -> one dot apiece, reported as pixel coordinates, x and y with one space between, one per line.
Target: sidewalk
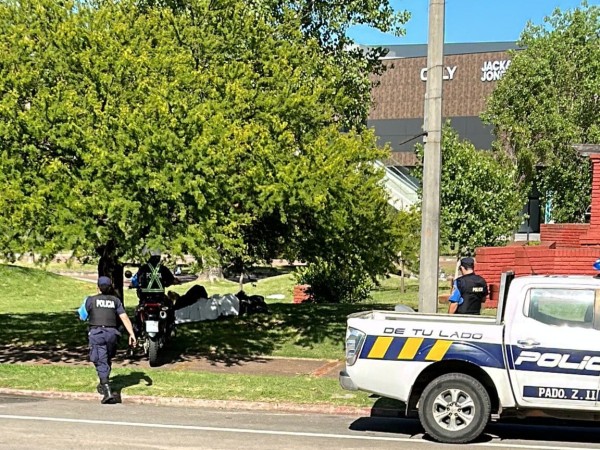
257 365
261 366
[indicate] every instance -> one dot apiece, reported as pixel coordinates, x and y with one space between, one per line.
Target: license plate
152 326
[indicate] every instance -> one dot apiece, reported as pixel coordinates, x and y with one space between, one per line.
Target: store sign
449 72
493 70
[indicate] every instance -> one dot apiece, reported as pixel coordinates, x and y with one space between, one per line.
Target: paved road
31 423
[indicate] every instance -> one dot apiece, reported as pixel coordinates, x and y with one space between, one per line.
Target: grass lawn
187 384
37 317
38 312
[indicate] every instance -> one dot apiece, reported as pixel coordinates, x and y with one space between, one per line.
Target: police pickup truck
540 356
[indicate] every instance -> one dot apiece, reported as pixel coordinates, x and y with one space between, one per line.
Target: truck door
553 348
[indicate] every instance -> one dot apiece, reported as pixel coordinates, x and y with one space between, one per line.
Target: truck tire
153 353
454 408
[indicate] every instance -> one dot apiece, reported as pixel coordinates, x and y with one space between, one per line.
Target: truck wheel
153 353
454 408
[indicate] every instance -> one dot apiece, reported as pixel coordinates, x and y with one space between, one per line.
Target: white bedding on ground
209 309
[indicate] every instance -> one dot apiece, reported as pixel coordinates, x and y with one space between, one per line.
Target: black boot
99 389
108 396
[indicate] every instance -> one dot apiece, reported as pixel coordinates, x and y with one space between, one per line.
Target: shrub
335 283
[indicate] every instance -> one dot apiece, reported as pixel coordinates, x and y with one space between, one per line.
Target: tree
212 132
409 229
549 100
326 22
480 205
352 237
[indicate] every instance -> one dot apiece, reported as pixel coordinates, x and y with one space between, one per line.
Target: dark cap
467 262
104 282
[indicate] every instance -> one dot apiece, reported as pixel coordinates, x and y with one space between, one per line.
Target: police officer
469 290
152 278
103 312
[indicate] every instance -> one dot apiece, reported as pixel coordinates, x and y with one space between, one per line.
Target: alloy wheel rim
453 409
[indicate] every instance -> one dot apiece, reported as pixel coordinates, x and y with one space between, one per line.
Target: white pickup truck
540 356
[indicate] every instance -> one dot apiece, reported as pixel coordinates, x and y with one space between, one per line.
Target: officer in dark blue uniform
469 290
103 312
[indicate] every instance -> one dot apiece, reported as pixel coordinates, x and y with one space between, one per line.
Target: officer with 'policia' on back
102 311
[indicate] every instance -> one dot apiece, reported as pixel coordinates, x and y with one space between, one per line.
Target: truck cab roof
557 279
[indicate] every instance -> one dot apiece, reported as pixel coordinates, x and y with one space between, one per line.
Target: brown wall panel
400 93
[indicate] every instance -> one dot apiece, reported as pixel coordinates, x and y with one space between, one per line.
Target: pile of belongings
196 306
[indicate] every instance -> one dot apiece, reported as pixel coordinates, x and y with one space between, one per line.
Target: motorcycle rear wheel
153 352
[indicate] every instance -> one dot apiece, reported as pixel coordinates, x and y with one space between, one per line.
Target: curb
201 403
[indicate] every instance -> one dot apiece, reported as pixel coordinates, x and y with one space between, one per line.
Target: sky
468 20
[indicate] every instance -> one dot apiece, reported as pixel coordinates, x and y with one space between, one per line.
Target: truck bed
422 317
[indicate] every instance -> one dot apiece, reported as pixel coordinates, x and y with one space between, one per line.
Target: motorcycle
154 323
156 327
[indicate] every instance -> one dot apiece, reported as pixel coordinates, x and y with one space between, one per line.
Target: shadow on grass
408 288
236 340
62 338
43 337
120 382
259 273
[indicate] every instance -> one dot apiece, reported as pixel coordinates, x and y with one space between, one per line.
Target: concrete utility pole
430 227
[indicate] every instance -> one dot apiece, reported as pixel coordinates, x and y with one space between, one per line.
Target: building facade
471 72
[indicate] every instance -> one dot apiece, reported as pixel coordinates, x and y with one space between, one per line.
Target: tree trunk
402 276
110 266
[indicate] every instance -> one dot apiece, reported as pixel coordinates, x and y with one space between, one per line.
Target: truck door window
562 307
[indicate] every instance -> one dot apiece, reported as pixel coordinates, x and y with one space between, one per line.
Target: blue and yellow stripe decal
432 350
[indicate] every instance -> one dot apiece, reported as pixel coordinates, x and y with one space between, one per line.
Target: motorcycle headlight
354 342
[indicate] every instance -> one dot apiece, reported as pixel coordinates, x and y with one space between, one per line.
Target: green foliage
326 23
547 101
409 229
480 203
210 130
335 283
349 230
